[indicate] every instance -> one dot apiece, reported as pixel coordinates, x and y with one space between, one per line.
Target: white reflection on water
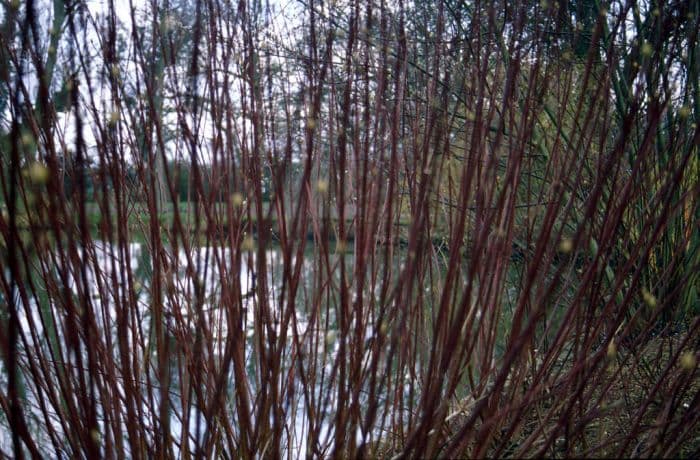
114 274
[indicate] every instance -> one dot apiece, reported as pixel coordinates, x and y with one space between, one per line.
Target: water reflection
198 291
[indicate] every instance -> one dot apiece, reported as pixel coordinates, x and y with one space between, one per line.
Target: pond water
115 275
